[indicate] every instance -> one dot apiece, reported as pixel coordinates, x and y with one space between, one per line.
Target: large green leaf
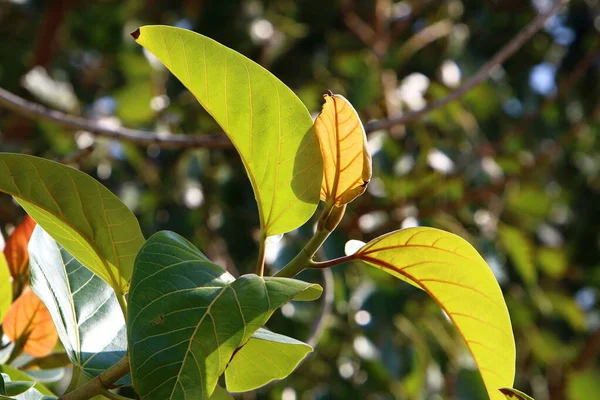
84 309
78 212
265 120
187 316
267 356
5 287
451 271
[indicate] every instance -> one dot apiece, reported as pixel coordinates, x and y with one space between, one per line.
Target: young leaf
84 308
343 142
266 357
187 316
451 271
28 324
265 120
78 212
5 287
16 248
514 394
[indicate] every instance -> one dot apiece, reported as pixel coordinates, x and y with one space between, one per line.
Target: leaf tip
135 34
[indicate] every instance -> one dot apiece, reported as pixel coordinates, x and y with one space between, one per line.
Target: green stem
16 352
122 303
113 396
328 221
304 258
260 266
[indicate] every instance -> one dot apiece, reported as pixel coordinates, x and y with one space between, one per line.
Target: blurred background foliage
513 167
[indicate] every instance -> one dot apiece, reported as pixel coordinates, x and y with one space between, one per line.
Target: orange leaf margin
343 142
16 252
29 324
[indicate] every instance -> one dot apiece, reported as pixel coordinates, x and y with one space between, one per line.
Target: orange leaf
29 324
346 160
16 248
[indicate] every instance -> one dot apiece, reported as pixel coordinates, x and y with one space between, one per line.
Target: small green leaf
16 388
266 357
514 394
5 287
451 271
83 307
187 316
267 123
83 216
37 392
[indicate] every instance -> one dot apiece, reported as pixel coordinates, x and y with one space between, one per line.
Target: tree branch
37 111
484 72
102 381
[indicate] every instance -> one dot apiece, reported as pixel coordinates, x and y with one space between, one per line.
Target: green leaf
84 309
514 394
5 287
2 385
187 316
37 392
266 357
583 385
265 120
220 394
78 212
16 388
451 271
521 251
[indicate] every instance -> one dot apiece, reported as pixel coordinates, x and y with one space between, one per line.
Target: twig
321 324
484 72
104 380
37 111
77 156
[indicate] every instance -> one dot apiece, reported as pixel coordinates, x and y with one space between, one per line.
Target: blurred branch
39 112
77 156
425 36
54 16
564 87
484 72
359 27
321 323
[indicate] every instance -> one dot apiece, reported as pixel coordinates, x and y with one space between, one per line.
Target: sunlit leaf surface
267 356
84 308
451 271
83 216
187 316
346 160
28 323
265 120
16 248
